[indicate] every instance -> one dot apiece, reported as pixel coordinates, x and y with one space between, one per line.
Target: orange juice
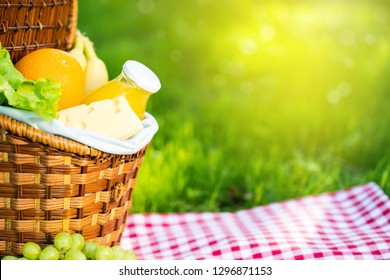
137 97
136 82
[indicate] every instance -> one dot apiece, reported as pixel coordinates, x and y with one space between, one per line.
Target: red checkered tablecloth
348 224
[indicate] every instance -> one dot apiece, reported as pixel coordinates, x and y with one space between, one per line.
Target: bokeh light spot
247 87
344 88
248 46
146 6
349 62
334 96
267 32
347 37
370 39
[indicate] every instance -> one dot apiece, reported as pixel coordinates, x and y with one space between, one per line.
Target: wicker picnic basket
49 183
28 25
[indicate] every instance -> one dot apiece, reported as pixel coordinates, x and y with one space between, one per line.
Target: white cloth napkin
92 139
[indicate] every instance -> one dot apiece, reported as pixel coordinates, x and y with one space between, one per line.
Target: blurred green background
261 101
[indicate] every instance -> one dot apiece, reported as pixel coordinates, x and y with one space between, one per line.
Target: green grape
74 254
49 253
9 258
62 255
31 250
104 253
90 249
22 259
129 255
77 241
63 241
118 253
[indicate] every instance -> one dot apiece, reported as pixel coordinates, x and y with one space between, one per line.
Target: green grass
261 101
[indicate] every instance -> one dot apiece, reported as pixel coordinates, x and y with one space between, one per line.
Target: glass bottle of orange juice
136 81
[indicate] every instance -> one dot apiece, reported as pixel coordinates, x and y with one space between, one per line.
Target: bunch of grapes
72 247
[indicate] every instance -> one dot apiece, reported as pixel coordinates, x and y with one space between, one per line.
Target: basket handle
73 15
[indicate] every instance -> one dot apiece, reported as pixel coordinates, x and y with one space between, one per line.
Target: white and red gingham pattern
348 224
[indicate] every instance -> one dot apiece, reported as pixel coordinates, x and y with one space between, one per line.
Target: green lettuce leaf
39 96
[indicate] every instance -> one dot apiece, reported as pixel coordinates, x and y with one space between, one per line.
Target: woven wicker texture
28 25
44 190
49 183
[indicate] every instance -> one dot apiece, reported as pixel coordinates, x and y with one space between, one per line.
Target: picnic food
104 116
77 241
95 71
78 50
9 258
65 249
104 253
49 253
136 81
90 249
31 251
63 241
60 67
39 96
74 186
74 254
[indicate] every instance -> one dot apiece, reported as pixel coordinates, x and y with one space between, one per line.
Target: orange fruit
59 66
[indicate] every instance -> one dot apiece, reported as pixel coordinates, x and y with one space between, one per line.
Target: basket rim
54 141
